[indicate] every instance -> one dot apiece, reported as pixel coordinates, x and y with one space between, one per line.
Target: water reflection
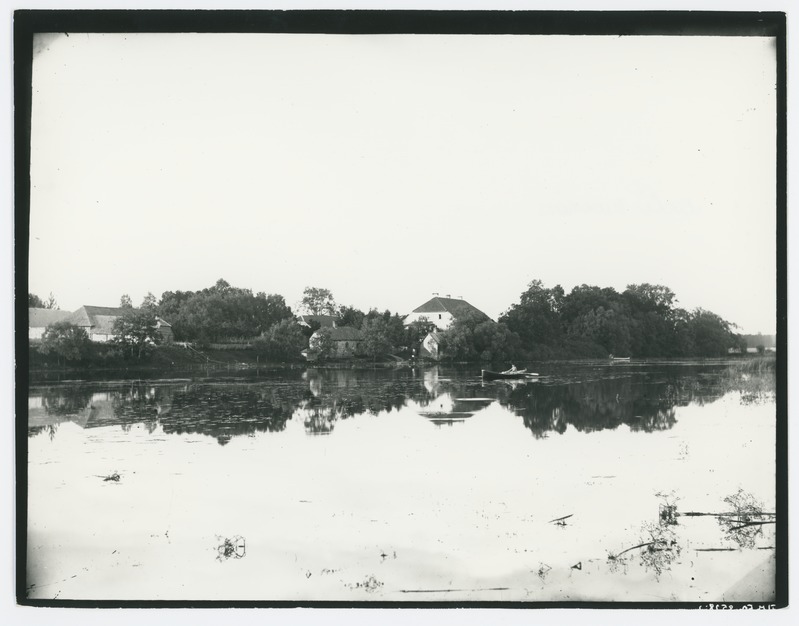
593 405
424 482
587 400
445 409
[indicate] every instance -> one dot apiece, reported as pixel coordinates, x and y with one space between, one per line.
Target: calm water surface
405 485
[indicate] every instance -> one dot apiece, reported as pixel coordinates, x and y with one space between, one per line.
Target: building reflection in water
319 398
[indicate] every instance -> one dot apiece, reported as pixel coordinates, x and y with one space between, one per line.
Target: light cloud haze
388 167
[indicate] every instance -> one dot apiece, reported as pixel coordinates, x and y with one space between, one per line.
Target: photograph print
415 309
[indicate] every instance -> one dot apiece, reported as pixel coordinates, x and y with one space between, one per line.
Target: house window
439 316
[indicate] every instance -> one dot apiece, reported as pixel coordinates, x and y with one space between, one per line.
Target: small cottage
347 341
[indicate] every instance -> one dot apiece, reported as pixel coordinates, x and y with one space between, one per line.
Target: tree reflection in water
592 406
588 399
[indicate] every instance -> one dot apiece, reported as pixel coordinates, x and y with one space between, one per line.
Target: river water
406 485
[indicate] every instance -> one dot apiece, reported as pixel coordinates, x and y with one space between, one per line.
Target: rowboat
489 375
620 359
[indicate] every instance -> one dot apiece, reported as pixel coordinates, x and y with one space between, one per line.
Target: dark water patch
589 398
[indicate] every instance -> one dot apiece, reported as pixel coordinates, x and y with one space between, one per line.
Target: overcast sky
386 168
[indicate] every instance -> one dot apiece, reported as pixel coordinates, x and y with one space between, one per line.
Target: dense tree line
590 321
221 313
642 321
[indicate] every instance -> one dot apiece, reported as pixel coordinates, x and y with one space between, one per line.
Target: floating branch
727 514
110 477
747 524
658 553
452 590
560 520
613 557
716 549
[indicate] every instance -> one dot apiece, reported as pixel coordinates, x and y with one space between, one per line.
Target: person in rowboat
512 370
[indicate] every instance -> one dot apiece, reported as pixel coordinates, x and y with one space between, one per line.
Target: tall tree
650 298
221 312
376 341
125 302
321 343
712 335
282 341
136 332
35 302
350 316
318 301
535 319
473 338
150 302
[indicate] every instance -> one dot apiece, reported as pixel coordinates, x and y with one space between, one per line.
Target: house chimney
449 296
435 293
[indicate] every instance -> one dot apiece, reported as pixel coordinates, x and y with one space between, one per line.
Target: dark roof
41 318
86 315
101 318
346 333
458 308
325 321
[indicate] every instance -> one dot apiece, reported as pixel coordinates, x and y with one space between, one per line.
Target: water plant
744 524
234 547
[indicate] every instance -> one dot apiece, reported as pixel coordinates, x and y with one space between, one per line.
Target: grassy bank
755 378
104 357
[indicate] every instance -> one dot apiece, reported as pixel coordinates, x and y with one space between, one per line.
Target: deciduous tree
535 319
150 302
350 316
136 332
221 312
282 341
318 301
66 340
35 302
376 341
321 344
712 335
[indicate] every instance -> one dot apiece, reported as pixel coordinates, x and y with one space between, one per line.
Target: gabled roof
41 318
458 308
325 321
346 333
343 333
101 318
87 315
